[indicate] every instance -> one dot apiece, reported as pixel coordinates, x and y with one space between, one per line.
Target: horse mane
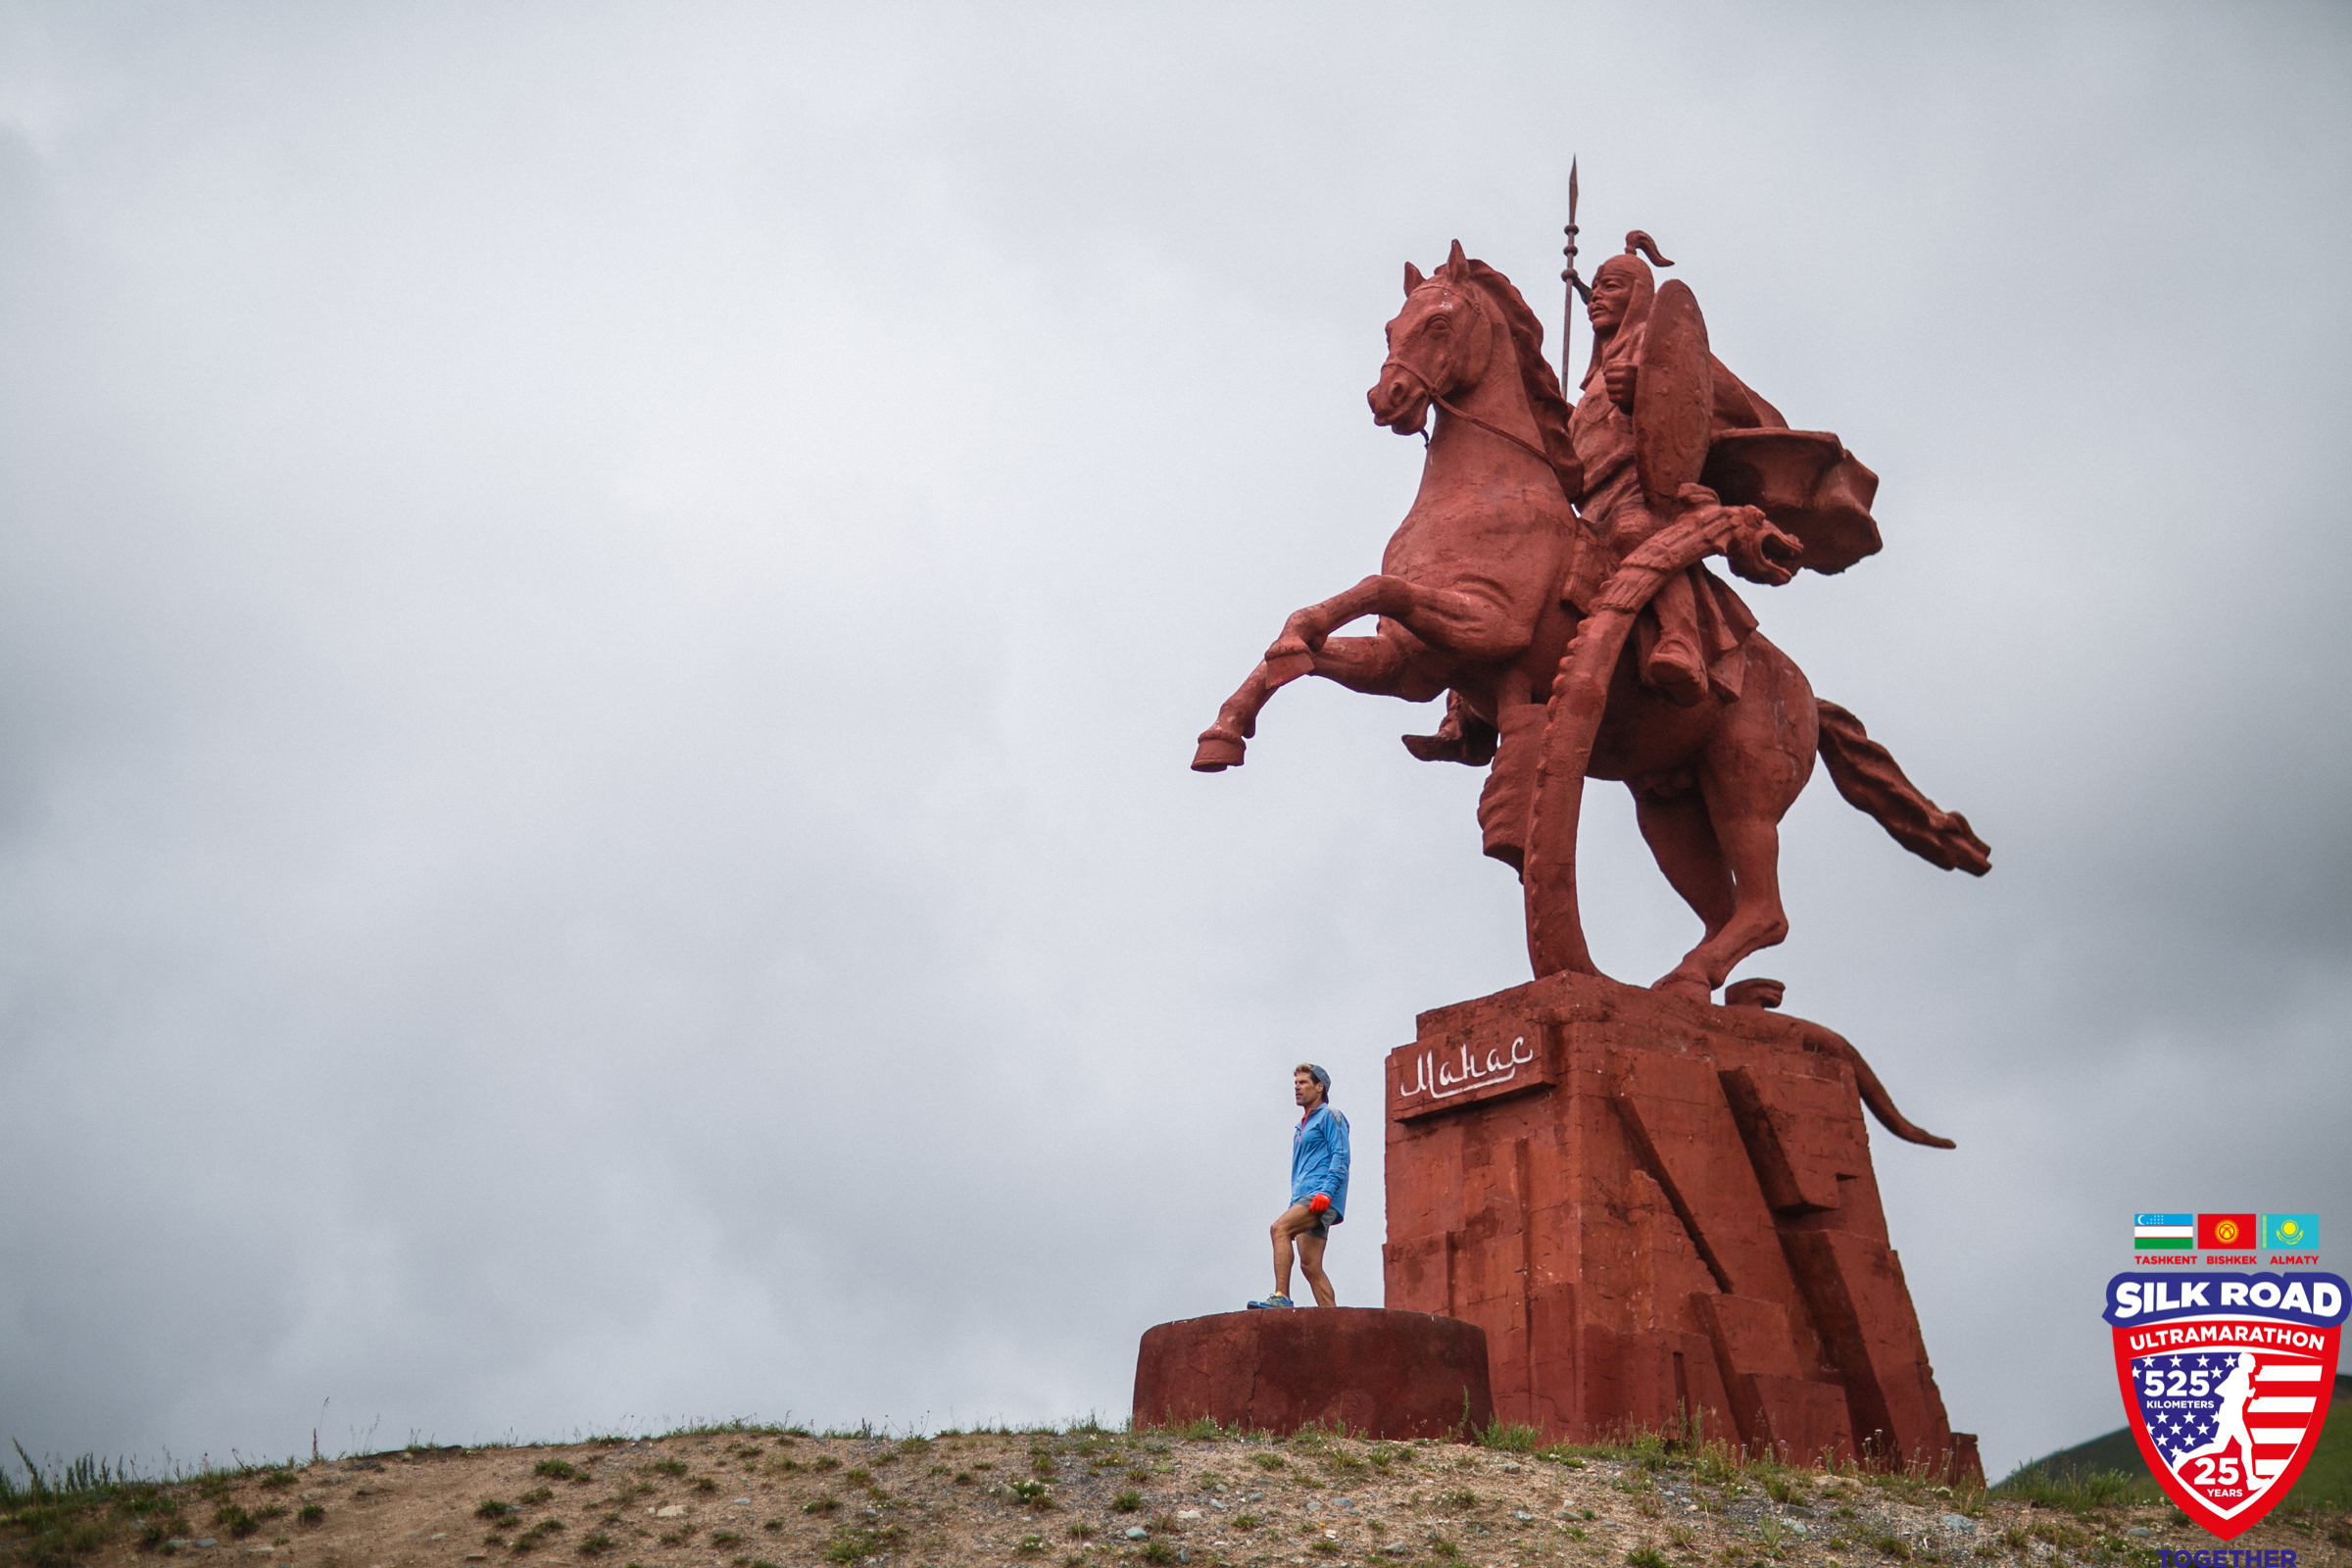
1544 395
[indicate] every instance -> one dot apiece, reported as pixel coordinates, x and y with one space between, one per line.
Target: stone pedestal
1661 1211
1387 1373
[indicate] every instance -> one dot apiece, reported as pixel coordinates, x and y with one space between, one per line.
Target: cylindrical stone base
1374 1372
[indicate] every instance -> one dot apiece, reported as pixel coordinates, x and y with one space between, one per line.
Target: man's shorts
1319 1226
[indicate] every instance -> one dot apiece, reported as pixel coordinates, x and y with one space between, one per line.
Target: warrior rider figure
1687 641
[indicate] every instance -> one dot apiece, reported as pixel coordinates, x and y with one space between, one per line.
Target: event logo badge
2225 1378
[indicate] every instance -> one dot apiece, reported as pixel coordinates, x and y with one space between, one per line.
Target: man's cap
1319 1076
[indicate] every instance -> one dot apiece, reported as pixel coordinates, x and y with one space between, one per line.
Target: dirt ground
760 1499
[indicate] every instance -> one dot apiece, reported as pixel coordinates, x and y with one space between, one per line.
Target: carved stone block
1662 1213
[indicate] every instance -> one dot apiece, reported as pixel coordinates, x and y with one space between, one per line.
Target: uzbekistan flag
2291 1233
2224 1232
2163 1233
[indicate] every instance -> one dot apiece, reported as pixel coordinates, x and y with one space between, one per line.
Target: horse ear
1455 261
1412 280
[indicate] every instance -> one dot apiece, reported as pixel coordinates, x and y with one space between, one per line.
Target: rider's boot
1673 663
1464 737
1675 669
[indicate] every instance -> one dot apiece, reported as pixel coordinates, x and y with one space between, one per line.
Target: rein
1438 398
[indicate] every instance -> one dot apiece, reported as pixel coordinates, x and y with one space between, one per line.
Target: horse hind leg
1683 841
1751 852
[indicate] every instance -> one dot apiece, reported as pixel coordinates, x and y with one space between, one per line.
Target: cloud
601 615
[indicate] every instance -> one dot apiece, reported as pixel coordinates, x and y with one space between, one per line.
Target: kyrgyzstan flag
2225 1233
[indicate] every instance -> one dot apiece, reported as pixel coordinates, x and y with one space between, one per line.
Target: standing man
1318 1188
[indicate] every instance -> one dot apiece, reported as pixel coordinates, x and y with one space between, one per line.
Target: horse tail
1866 774
1874 1093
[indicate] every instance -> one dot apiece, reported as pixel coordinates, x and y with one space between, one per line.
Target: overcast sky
602 610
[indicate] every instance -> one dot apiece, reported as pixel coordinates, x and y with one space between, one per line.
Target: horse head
1439 344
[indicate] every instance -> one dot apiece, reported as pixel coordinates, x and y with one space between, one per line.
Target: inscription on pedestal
1471 1067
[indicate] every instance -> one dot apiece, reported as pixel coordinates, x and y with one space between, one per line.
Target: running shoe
1272 1300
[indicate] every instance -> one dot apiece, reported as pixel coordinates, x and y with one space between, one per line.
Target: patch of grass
2076 1493
531 1539
1158 1551
1646 1557
1246 1521
677 1467
1327 1548
705 1484
562 1470
277 1481
1267 1461
1510 1438
1030 1546
236 1521
535 1496
1127 1503
1080 1530
1462 1498
1032 1494
596 1546
825 1505
855 1546
1680 1536
725 1538
1891 1546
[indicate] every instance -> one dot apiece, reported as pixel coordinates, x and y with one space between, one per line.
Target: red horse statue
1550 582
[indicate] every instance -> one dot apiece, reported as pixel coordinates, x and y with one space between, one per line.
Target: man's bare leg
1296 1221
1310 1263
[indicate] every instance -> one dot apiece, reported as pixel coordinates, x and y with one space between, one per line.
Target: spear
1576 284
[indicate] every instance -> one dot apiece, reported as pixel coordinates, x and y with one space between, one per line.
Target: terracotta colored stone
1661 1213
1388 1374
1550 582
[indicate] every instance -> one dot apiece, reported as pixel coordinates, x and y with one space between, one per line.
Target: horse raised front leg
1224 742
1464 625
1377 665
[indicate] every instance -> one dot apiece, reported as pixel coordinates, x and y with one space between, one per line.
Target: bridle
1438 398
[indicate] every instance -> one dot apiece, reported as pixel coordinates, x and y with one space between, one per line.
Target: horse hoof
1679 984
1758 993
1218 751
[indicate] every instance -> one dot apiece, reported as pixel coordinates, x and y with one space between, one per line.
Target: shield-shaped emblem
2226 1380
1674 397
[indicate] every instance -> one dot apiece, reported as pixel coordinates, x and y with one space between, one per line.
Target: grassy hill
2325 1481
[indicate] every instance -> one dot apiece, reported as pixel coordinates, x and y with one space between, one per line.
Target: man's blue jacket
1319 1158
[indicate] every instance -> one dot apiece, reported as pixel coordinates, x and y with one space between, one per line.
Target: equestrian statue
1551 583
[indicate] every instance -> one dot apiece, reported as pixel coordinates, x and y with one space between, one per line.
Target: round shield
1674 397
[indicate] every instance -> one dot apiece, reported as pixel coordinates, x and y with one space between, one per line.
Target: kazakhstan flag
2291 1233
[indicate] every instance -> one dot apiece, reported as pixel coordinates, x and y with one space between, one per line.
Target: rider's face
1612 296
